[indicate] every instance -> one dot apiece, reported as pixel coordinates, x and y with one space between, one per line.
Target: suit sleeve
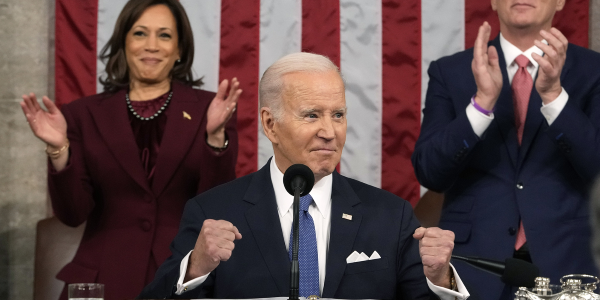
412 283
71 190
165 280
576 132
219 168
447 137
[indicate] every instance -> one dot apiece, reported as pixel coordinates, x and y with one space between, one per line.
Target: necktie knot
305 202
522 61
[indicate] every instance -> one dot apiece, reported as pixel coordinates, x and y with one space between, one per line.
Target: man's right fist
214 244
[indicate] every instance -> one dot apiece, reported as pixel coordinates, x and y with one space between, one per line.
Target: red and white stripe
383 48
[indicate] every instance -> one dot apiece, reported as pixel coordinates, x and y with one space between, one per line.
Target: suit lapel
535 119
111 117
504 115
263 220
179 134
342 232
533 122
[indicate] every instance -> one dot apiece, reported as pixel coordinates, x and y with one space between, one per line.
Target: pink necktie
521 87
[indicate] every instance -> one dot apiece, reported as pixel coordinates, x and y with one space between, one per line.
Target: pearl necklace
155 114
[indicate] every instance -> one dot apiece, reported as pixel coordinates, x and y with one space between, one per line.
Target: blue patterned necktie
308 259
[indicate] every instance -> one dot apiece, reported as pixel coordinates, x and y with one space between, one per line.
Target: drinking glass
86 291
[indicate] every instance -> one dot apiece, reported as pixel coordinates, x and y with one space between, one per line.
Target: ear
494 5
268 124
560 4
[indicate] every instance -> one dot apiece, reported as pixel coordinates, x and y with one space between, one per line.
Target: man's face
312 128
524 14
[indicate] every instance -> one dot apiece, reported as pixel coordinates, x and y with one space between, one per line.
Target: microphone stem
295 269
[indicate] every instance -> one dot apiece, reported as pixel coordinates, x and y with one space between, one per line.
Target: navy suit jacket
259 265
490 183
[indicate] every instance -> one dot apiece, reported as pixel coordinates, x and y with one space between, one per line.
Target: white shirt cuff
448 294
553 109
190 285
479 121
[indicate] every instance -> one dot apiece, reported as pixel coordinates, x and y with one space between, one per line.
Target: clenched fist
435 247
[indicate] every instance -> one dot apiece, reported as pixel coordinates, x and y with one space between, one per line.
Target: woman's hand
49 126
220 111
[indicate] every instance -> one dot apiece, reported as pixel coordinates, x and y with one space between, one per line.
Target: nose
326 131
151 43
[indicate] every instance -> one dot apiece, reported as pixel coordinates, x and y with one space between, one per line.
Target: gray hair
271 84
595 221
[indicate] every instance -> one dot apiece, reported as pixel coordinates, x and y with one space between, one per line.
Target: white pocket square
358 257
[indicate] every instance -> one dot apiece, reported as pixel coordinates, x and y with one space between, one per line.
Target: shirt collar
321 193
511 52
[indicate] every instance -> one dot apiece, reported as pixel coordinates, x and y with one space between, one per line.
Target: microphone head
299 172
519 273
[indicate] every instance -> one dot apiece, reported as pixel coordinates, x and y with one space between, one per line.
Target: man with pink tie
511 135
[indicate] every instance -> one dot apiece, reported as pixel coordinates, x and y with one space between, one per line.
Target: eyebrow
313 110
144 27
308 111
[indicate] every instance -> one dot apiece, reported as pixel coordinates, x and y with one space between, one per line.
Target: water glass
86 291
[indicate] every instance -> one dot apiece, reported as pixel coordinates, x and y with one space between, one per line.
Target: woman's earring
179 60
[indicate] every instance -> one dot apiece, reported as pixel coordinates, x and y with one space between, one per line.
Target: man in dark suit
363 242
510 134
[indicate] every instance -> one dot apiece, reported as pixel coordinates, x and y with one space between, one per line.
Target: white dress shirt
480 121
320 211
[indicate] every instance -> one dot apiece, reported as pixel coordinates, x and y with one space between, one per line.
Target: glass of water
86 291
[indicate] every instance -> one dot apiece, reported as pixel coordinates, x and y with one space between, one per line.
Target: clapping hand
220 111
49 126
555 53
486 69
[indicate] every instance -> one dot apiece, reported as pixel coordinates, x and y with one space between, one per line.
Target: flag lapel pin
186 115
347 217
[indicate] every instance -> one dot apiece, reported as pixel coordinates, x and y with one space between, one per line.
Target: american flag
383 48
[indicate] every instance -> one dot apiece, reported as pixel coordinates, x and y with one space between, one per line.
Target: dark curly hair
113 53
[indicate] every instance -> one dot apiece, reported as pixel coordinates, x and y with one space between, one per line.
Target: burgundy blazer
129 221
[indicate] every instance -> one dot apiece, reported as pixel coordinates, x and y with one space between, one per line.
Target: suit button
512 230
520 185
146 225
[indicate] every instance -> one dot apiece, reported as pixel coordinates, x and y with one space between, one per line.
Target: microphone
300 177
514 272
298 181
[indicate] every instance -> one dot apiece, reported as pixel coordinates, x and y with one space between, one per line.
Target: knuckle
207 230
451 234
226 255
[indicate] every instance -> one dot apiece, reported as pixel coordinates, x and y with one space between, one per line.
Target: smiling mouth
150 60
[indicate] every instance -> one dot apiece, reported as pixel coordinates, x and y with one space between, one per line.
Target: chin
150 79
322 171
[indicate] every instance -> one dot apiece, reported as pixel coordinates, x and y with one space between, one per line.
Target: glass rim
86 284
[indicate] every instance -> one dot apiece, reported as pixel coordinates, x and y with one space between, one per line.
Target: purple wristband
481 109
